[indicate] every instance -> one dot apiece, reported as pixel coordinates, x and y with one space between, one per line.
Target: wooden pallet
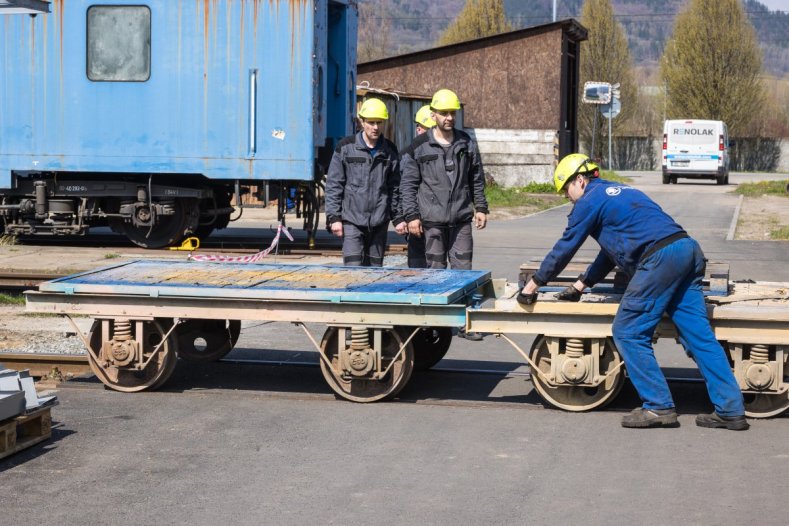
24 431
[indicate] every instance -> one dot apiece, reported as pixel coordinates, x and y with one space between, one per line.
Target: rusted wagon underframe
575 365
367 353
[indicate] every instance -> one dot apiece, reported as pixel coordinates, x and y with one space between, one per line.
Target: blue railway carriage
151 116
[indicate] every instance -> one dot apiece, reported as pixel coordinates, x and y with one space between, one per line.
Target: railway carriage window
119 43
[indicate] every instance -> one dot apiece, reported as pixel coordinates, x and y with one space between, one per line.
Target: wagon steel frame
575 365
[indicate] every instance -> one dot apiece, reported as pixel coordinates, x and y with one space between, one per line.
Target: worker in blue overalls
665 267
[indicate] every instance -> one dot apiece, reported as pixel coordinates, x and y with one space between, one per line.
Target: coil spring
122 330
574 348
360 338
760 353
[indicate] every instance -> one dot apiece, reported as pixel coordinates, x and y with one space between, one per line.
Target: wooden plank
715 282
24 431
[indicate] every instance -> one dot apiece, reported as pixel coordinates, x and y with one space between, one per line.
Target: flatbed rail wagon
384 322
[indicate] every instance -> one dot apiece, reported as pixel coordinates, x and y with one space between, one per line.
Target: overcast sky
783 5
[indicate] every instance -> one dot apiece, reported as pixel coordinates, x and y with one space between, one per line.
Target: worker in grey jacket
362 189
443 187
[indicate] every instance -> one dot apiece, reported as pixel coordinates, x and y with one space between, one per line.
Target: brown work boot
641 417
716 421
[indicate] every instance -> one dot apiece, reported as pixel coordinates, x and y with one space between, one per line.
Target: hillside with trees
400 26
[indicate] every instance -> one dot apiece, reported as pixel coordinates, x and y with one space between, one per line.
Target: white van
695 149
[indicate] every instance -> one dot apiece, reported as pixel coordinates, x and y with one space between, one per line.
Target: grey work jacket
427 191
362 189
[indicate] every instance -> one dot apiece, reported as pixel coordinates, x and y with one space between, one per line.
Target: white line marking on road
733 225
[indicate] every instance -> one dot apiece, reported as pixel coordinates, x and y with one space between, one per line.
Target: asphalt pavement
244 443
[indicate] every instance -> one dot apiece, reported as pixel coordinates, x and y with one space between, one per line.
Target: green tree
479 18
604 58
711 66
374 38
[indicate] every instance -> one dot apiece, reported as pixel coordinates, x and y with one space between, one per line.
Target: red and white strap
245 259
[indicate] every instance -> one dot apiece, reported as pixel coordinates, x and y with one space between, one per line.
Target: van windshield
684 133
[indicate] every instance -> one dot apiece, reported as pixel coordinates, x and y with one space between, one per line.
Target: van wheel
666 179
721 179
673 179
726 178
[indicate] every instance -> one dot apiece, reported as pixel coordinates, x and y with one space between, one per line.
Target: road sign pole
610 160
594 132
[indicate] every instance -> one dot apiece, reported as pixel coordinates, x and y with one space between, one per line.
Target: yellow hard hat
423 117
374 109
445 100
572 165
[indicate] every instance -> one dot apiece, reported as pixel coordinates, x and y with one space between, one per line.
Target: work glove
526 299
569 294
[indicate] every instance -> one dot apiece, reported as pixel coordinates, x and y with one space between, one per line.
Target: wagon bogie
576 374
132 355
366 364
762 372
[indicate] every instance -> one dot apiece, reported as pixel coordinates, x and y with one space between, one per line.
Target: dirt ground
760 215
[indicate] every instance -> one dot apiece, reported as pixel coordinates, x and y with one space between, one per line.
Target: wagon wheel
126 378
221 221
430 345
765 405
577 397
166 323
201 341
168 230
362 389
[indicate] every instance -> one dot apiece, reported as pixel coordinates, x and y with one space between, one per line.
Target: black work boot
641 417
716 421
471 336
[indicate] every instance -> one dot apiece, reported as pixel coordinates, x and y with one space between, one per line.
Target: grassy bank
12 299
763 188
541 195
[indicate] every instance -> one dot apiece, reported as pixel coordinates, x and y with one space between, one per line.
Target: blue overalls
665 268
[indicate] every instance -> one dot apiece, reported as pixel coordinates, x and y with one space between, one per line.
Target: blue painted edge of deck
71 285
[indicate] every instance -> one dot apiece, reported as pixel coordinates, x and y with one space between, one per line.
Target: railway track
218 242
63 366
40 365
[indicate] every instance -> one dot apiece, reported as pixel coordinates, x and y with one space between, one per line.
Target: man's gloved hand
569 294
526 299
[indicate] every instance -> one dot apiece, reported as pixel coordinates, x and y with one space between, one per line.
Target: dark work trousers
449 241
416 251
363 247
670 281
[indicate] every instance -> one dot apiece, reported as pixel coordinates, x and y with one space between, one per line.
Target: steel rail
41 364
47 365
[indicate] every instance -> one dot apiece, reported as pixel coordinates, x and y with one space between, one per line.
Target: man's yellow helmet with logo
423 117
445 100
572 165
374 110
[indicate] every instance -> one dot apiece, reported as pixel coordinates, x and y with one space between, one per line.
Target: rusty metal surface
511 80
